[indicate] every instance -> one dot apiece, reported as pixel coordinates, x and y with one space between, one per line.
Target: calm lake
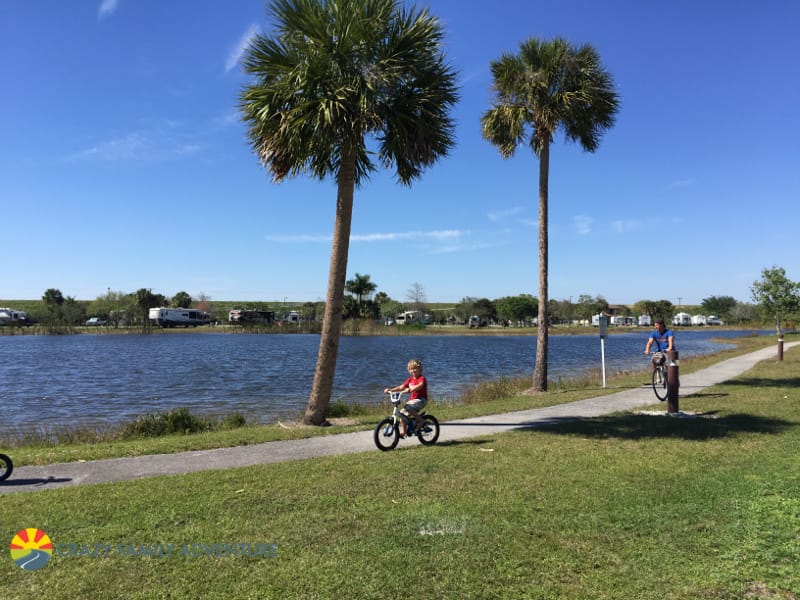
86 379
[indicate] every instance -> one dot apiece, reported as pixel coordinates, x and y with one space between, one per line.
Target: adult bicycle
387 432
6 466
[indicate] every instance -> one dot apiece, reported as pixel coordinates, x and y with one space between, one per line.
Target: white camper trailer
240 316
178 317
9 316
682 319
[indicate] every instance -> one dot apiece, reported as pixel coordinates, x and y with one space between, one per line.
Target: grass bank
624 506
67 444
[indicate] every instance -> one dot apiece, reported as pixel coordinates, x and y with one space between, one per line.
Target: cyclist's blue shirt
662 339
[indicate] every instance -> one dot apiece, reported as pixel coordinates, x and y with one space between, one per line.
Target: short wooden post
780 348
673 381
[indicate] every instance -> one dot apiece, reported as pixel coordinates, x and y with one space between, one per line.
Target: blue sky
124 163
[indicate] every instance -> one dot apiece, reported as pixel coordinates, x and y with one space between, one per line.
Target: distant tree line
777 299
113 308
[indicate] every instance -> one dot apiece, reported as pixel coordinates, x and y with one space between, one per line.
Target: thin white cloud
439 236
444 241
447 234
226 120
583 224
501 215
107 8
123 148
138 145
236 53
467 247
681 183
627 225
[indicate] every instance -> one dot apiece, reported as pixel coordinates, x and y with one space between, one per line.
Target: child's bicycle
6 466
387 432
660 377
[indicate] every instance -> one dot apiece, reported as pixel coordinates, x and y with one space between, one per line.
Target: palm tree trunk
320 396
540 368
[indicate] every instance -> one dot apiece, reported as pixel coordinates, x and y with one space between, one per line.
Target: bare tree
416 296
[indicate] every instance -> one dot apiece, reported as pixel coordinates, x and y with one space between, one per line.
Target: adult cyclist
664 340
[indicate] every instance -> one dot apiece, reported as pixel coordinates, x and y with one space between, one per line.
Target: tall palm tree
335 76
547 86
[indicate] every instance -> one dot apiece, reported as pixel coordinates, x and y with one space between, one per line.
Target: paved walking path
26 479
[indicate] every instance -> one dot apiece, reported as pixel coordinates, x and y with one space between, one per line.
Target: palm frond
338 71
551 85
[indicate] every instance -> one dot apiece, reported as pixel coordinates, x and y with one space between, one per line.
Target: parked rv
178 317
644 321
699 320
9 316
682 319
293 317
714 320
409 316
242 316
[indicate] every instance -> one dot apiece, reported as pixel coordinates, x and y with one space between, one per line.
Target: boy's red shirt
421 392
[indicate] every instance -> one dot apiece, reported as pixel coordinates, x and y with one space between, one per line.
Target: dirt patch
531 392
340 421
758 590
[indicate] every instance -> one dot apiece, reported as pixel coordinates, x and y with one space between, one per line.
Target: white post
603 358
603 322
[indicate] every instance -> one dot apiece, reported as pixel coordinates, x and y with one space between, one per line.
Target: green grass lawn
617 507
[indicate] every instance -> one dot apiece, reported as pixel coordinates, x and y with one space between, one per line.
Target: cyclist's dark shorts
417 404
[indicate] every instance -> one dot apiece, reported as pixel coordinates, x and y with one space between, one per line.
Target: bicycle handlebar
395 396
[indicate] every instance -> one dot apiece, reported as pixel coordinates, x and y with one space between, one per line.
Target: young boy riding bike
417 385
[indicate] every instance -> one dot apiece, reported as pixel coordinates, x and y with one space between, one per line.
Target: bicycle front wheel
429 432
6 466
660 382
386 435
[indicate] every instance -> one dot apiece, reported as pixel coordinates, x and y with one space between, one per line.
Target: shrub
180 421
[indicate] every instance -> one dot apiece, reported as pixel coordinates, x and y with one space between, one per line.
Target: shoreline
500 395
357 329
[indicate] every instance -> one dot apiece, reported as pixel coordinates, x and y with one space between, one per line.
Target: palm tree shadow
641 426
758 382
467 442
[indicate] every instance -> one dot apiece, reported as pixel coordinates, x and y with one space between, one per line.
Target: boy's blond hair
415 362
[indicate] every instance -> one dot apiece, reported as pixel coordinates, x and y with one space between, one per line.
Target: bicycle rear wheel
429 432
386 435
660 382
6 466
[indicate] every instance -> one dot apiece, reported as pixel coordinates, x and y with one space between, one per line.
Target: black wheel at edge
6 467
386 435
